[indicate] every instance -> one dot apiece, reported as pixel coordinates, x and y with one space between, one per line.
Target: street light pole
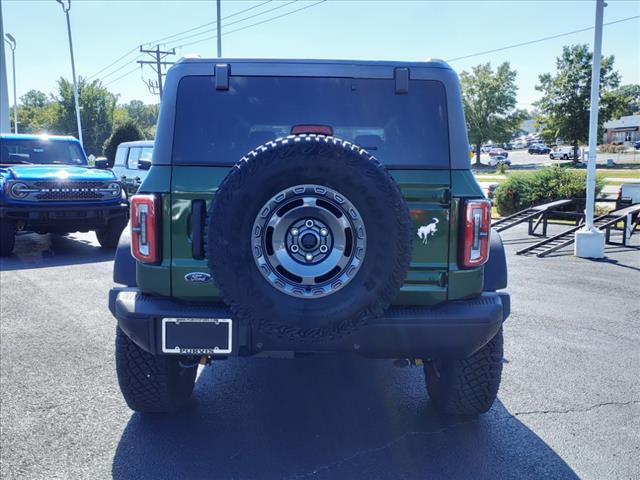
4 94
65 9
589 240
219 29
12 44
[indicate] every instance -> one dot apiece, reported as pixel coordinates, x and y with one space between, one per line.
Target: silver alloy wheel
308 241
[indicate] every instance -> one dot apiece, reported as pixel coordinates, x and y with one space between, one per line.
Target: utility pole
156 65
65 9
219 30
12 44
589 240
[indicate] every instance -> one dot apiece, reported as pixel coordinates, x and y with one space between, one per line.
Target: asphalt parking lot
569 404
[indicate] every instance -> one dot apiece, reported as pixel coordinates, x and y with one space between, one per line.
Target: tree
37 113
97 105
144 115
489 104
565 101
623 101
129 131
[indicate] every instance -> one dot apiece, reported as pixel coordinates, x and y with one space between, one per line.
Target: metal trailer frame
529 214
629 216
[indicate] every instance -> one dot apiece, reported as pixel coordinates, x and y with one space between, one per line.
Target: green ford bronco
295 207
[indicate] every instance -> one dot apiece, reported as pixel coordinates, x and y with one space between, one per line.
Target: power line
125 55
551 37
232 23
118 69
121 76
113 63
208 23
226 33
274 18
254 24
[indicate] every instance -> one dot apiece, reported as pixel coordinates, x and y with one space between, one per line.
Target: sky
104 31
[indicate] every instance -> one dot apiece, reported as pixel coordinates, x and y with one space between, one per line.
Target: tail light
145 228
317 129
476 228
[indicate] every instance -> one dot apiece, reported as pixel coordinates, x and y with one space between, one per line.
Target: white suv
133 160
565 153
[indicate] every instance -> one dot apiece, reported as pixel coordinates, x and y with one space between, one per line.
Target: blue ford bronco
294 207
46 185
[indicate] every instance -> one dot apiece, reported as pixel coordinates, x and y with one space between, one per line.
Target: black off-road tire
109 236
151 383
308 160
7 237
466 387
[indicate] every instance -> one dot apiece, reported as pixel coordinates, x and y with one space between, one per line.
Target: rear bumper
64 216
451 330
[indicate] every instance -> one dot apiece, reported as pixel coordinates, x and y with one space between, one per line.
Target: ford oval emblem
198 277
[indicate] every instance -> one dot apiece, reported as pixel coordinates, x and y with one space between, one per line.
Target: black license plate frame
197 336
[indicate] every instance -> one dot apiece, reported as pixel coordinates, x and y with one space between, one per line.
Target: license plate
196 336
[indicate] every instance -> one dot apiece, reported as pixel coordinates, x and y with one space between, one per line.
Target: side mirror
144 164
101 163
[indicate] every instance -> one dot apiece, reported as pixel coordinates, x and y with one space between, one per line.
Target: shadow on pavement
50 250
326 417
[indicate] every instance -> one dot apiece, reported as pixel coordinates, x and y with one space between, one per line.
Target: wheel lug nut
294 231
309 223
294 248
309 257
324 232
323 249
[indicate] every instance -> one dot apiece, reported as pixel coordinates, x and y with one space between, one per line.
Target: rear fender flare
124 266
495 270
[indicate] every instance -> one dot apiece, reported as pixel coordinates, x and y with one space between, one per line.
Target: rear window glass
220 126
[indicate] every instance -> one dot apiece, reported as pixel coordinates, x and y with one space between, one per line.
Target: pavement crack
573 410
367 451
372 450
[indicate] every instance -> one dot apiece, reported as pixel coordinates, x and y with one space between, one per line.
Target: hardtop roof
137 143
29 136
427 63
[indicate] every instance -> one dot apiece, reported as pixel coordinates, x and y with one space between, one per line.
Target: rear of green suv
310 206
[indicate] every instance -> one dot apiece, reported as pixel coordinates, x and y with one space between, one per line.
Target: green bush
527 189
128 131
611 148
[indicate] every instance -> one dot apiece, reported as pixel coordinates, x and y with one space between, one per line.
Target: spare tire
308 237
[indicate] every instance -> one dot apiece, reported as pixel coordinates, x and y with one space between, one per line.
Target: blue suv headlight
114 189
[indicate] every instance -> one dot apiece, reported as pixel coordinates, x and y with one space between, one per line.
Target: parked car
628 194
132 163
518 145
637 145
244 242
564 153
496 160
498 152
539 148
46 185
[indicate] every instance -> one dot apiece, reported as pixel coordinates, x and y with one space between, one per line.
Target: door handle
198 212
